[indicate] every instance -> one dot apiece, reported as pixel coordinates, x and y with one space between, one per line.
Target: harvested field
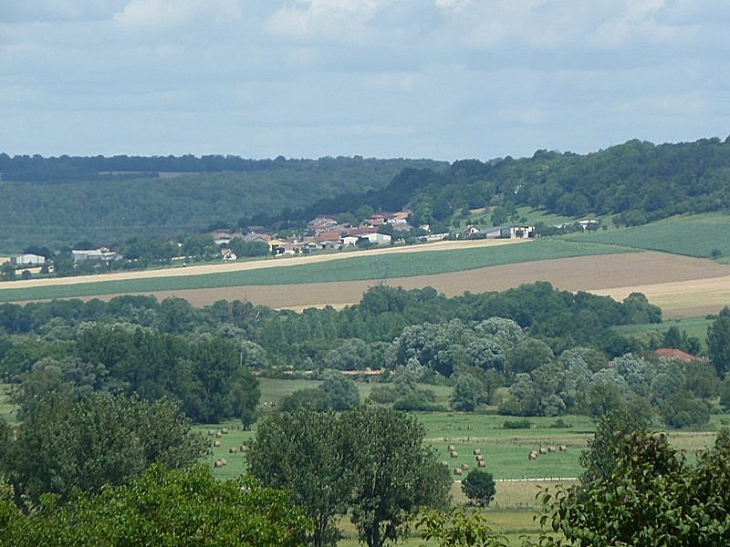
681 286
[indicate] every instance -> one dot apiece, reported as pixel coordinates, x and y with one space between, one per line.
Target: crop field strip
341 267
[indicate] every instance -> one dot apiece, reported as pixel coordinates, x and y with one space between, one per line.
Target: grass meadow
353 268
693 326
519 481
695 235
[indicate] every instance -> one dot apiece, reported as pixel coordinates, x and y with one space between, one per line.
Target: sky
439 79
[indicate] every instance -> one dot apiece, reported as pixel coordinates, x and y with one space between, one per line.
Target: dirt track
682 286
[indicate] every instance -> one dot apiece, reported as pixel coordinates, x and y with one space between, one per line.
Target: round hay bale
458 471
454 454
477 452
451 448
481 463
211 432
224 431
532 455
551 448
216 444
562 448
233 450
218 434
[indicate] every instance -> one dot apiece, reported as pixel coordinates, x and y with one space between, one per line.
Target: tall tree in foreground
395 475
303 452
651 498
65 445
369 460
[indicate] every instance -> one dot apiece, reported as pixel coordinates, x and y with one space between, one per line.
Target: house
349 241
510 232
95 254
322 224
28 259
223 237
677 354
376 239
328 240
227 254
253 237
470 232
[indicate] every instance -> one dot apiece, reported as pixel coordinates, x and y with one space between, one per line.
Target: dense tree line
65 168
105 211
532 350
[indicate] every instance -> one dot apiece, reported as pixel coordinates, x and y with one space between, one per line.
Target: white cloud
58 10
164 13
324 20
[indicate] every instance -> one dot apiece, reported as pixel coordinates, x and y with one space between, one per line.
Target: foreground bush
162 508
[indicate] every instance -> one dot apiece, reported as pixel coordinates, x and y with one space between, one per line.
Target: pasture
693 326
701 236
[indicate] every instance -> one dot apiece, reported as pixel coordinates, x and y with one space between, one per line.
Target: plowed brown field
681 286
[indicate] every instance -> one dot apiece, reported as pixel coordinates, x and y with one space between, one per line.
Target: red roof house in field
671 353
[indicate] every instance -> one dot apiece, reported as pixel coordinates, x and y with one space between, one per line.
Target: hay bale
211 432
563 448
458 471
481 463
454 454
551 448
233 450
543 450
218 434
477 452
216 444
464 467
224 431
532 455
451 448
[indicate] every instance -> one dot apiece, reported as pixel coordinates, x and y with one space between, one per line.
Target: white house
28 259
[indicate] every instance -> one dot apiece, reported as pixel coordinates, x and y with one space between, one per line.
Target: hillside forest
109 201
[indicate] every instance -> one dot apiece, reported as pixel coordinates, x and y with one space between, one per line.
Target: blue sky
442 79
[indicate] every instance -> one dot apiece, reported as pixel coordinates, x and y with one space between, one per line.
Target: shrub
517 424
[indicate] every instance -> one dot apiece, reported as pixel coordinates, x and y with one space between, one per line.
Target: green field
505 451
693 326
361 267
482 217
695 235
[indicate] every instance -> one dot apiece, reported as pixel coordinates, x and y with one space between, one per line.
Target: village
324 233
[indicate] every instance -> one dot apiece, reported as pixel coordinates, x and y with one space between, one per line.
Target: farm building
28 259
